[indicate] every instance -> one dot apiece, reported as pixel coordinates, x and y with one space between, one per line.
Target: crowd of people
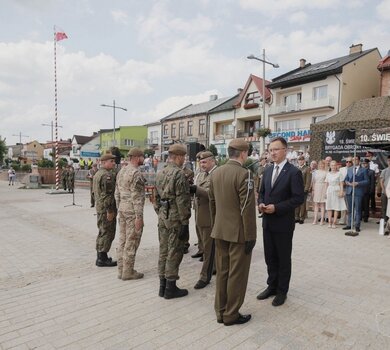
338 191
225 200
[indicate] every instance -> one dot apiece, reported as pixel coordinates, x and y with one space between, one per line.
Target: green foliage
117 153
222 161
45 163
26 168
249 165
213 150
263 132
3 150
16 166
62 163
149 152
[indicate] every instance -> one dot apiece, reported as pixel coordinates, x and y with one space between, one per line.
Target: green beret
135 152
177 149
206 154
239 145
107 156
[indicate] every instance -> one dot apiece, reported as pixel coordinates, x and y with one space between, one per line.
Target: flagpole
55 108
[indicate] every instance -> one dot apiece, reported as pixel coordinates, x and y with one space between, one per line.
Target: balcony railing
305 104
226 135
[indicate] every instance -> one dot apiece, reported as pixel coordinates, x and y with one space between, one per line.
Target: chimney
239 90
213 97
302 63
358 48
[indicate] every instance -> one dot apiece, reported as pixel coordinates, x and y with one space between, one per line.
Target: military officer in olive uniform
202 216
104 189
233 213
300 212
64 177
173 206
130 200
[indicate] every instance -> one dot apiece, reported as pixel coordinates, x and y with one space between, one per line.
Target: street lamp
52 138
275 65
113 108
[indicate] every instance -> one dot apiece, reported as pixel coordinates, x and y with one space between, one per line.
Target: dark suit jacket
361 177
286 194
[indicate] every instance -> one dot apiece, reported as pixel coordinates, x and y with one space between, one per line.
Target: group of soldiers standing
67 178
224 213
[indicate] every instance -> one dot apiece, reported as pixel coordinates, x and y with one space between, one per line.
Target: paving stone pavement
52 296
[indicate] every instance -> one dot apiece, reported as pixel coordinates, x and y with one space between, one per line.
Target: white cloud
119 16
299 17
383 10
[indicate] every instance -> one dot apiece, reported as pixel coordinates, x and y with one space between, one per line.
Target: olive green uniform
104 189
173 206
232 206
301 212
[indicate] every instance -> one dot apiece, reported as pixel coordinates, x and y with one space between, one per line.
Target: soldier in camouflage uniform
64 177
70 179
173 206
130 200
104 189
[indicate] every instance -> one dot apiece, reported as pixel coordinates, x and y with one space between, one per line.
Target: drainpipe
207 129
338 99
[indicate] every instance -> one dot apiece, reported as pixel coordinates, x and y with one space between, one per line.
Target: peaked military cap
206 154
239 145
107 156
135 152
178 149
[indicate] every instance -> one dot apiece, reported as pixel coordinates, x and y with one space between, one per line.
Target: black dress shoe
301 222
201 259
197 255
279 299
219 320
346 227
296 221
266 293
200 284
240 320
357 229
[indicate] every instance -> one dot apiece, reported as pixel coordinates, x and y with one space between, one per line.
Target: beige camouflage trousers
129 240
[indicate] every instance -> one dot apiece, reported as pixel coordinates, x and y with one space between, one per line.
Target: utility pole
113 106
52 138
20 136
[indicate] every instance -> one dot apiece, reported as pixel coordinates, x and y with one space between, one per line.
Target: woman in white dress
318 186
335 201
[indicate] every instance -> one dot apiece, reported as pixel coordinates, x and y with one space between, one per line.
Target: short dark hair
281 139
233 153
357 157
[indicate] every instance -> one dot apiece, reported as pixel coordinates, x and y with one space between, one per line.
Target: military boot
131 275
163 284
172 291
104 261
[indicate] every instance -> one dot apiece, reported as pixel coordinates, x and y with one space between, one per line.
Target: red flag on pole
60 36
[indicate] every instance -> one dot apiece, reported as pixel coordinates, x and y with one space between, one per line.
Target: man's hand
261 207
110 215
192 189
139 223
249 245
269 209
184 233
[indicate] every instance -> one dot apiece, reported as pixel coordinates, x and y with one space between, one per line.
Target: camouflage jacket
130 190
104 189
172 186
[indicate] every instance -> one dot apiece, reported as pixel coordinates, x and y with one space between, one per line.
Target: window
319 118
251 127
129 142
173 130
253 97
189 127
320 92
165 130
202 126
292 100
181 130
285 125
227 129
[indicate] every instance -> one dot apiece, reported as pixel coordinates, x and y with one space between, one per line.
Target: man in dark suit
355 185
370 189
233 216
282 191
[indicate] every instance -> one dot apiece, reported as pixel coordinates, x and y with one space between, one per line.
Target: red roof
259 84
384 63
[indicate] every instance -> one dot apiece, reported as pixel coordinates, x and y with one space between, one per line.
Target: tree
149 152
213 150
3 150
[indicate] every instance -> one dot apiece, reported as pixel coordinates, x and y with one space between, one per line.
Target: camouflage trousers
106 233
171 250
129 240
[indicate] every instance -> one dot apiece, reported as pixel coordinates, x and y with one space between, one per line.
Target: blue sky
154 57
